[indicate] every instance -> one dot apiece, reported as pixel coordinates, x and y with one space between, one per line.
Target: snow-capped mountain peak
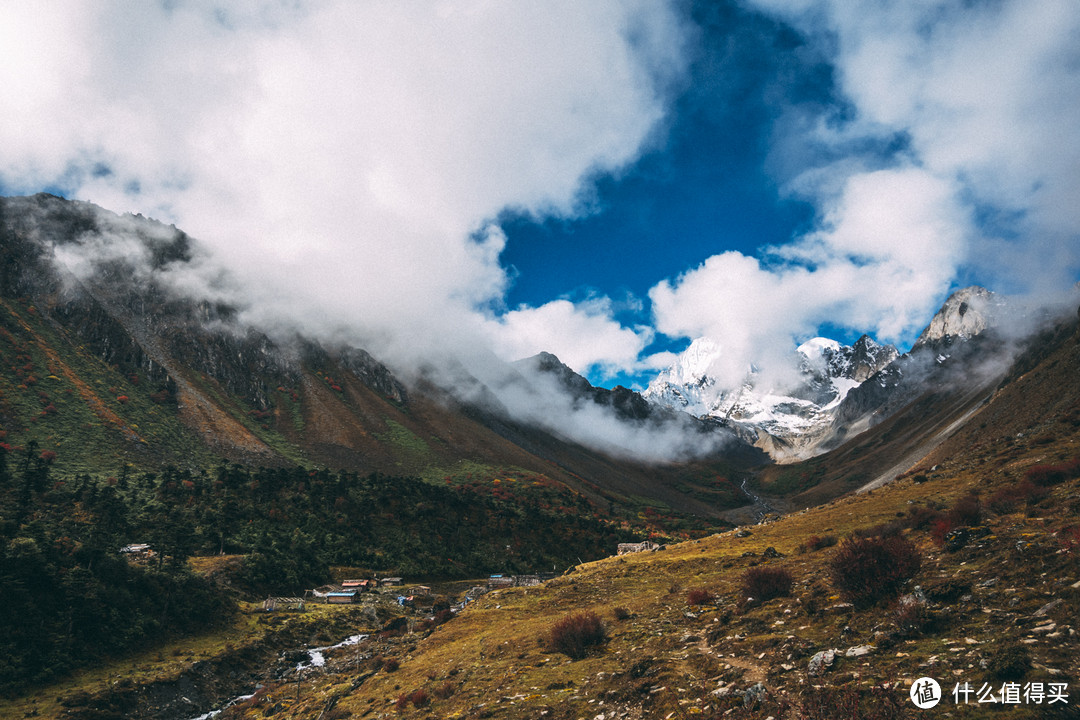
775 419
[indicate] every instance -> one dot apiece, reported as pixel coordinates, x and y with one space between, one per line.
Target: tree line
71 598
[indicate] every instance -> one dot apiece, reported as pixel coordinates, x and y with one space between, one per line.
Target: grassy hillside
684 642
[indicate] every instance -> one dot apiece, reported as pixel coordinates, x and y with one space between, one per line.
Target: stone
1047 607
956 539
820 662
754 694
858 650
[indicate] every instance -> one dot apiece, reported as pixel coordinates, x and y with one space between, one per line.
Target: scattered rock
956 539
772 553
743 533
821 662
754 695
859 650
1047 607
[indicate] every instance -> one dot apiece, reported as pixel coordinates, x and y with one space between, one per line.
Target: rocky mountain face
964 315
788 423
844 390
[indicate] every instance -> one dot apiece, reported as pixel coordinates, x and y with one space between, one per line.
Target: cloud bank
951 157
347 162
344 160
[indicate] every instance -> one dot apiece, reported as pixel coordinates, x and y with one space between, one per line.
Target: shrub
865 570
766 583
1070 539
390 664
620 613
576 634
966 511
445 690
699 596
919 517
817 542
939 529
1007 498
911 618
419 698
1046 475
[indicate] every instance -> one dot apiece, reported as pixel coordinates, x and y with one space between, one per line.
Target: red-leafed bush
766 583
576 634
699 596
966 511
866 570
1006 499
1046 475
939 529
817 542
48 456
122 399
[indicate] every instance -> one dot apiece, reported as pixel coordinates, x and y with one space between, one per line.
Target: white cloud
987 95
583 335
338 157
889 244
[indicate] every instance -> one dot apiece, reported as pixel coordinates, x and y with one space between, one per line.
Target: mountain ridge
148 378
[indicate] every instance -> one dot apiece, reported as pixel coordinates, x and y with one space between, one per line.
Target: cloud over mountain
950 153
350 163
344 160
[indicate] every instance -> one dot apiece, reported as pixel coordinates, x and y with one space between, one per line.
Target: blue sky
703 189
603 180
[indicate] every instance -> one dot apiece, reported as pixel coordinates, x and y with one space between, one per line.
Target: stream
761 507
316 658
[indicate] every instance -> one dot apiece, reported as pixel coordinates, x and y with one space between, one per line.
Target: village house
358 585
420 590
272 604
646 546
341 597
137 551
390 582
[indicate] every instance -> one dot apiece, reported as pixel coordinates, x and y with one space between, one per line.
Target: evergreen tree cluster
71 597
